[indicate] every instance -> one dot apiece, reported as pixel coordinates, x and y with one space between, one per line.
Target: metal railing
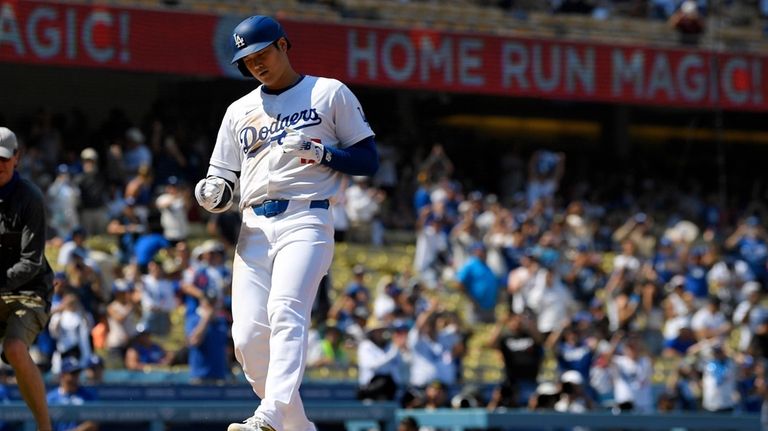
382 416
157 414
459 420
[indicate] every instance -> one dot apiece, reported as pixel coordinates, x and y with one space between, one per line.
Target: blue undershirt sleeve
358 159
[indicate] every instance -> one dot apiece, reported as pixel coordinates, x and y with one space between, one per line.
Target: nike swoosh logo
250 110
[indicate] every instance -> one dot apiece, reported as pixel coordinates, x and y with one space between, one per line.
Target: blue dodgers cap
121 285
95 361
254 34
476 246
392 289
70 365
400 325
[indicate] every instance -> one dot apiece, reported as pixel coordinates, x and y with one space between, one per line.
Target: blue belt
273 207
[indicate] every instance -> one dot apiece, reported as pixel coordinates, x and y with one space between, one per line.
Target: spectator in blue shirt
421 196
749 241
136 154
128 225
205 327
480 284
575 352
148 245
679 345
666 262
750 399
208 338
144 352
696 275
357 288
69 392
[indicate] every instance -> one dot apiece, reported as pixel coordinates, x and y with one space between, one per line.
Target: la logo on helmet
239 41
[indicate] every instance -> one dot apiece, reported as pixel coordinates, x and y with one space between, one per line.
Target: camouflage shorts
22 317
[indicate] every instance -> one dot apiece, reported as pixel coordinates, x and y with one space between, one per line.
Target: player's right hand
214 194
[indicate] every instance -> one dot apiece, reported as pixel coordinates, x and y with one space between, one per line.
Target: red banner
99 36
198 44
420 59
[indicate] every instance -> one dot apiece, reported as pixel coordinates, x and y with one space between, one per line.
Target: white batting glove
302 146
211 192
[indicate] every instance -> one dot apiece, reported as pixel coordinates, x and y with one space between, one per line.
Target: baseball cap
135 135
400 325
546 388
475 195
95 361
79 231
361 312
582 316
254 34
750 287
70 365
392 289
682 322
89 154
354 289
676 281
358 269
477 246
208 246
8 143
375 324
121 285
689 6
142 328
573 377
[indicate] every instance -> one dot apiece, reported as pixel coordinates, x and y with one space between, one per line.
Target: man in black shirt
26 279
520 344
93 194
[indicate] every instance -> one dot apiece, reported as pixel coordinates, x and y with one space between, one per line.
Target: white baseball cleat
253 423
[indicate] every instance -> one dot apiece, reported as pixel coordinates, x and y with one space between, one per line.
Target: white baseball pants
278 265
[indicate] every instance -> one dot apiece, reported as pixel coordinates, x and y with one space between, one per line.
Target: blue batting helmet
252 35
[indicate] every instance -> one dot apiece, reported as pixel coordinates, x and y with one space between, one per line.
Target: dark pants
380 388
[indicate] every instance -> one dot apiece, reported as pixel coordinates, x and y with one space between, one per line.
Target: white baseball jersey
250 136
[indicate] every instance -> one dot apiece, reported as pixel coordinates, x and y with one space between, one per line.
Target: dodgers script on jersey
250 137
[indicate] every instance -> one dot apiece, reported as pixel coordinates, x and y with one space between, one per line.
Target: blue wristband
358 159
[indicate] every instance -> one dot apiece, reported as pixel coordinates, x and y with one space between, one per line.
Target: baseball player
288 143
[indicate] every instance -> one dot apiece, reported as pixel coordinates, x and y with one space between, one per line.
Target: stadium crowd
610 285
733 12
601 9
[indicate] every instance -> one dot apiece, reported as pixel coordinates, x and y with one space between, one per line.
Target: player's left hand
300 145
